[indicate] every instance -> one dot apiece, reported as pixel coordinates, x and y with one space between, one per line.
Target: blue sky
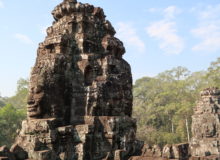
158 35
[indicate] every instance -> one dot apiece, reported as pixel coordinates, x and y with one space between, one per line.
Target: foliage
2 103
10 121
163 105
213 75
12 112
19 100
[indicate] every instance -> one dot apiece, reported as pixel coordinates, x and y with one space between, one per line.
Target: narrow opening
51 48
88 76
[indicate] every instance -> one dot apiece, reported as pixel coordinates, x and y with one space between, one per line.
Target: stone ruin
80 99
206 125
80 93
205 141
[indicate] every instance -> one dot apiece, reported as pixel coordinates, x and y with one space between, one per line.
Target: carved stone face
34 109
70 68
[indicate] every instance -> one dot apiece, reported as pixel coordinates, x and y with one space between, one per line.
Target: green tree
213 74
12 114
10 121
19 100
158 103
2 103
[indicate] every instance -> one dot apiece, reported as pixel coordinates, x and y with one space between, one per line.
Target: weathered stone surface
18 152
206 124
147 158
80 94
149 152
167 151
79 69
100 137
212 157
5 153
176 151
181 151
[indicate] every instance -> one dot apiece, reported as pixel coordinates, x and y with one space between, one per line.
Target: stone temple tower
80 94
206 125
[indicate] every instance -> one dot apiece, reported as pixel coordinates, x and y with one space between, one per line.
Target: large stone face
206 124
79 69
80 94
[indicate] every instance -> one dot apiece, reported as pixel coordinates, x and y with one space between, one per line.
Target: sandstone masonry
80 94
206 125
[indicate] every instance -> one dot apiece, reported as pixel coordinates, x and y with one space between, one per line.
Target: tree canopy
12 112
163 105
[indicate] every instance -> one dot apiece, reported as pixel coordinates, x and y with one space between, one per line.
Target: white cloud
165 31
152 10
23 38
1 4
127 33
208 29
210 12
210 38
171 11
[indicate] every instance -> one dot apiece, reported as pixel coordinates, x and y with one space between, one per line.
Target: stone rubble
175 151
